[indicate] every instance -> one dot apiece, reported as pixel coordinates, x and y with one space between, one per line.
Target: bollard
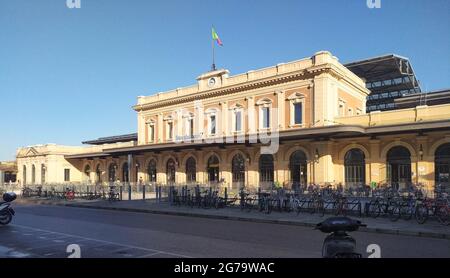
121 192
157 193
143 192
129 192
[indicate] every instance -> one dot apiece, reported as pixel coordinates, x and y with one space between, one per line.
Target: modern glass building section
388 78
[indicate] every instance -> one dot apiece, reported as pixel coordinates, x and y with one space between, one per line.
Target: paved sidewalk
379 225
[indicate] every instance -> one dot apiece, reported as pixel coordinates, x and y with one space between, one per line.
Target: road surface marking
149 255
102 241
9 252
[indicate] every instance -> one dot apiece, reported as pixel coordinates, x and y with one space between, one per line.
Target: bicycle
265 203
316 204
246 202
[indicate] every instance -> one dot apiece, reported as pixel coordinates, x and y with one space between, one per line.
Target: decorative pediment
236 106
31 152
296 96
264 101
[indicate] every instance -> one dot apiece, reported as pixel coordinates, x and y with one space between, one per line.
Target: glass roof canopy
388 77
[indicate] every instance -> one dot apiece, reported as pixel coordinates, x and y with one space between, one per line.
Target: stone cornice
271 81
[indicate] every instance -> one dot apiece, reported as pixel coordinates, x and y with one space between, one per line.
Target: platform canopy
113 139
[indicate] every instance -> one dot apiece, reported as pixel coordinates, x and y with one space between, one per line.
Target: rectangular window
298 113
66 174
238 121
191 127
151 133
169 130
265 117
212 130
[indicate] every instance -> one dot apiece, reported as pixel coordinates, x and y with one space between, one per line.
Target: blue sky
67 75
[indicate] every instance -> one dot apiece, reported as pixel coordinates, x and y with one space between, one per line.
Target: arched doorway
151 171
399 167
355 168
298 169
442 166
266 169
170 171
213 169
112 172
238 171
87 173
191 170
125 172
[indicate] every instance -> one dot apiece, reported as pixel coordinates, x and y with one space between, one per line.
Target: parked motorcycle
338 244
6 211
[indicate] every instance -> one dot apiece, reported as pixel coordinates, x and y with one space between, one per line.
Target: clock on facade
211 82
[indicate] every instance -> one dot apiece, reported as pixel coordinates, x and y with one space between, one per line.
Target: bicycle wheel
443 215
374 209
249 204
407 211
394 212
421 214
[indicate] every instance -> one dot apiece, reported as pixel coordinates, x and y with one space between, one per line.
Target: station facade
293 124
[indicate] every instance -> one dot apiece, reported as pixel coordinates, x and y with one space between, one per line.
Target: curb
249 219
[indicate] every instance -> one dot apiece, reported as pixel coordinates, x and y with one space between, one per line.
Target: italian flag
216 38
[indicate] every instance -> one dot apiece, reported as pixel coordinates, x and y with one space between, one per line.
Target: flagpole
213 67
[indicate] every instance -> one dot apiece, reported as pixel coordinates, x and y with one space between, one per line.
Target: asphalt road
46 231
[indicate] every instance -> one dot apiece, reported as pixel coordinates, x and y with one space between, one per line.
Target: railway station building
292 124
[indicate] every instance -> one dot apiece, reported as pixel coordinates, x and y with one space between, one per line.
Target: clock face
211 82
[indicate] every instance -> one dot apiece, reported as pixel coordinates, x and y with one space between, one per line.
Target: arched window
43 169
170 171
298 169
125 172
266 170
151 171
355 167
33 174
213 169
98 174
87 173
442 165
24 178
238 171
191 171
112 172
399 166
